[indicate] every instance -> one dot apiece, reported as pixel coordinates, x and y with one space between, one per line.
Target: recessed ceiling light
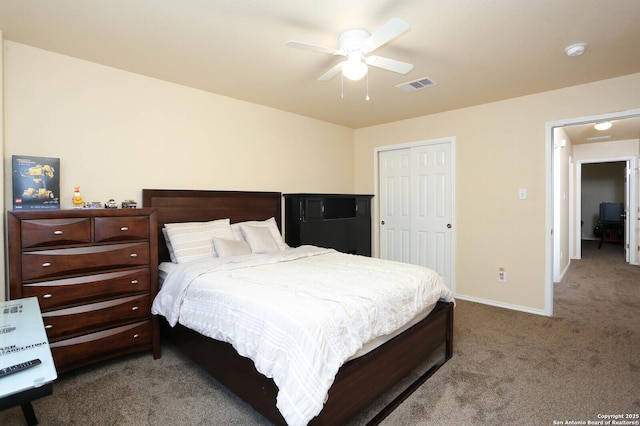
575 49
605 125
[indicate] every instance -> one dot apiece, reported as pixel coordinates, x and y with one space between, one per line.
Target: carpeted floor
508 368
515 368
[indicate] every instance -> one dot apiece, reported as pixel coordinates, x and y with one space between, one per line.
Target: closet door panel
395 207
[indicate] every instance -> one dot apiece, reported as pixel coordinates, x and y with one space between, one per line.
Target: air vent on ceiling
414 85
599 138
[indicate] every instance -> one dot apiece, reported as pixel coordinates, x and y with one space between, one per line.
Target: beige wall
600 150
116 133
500 147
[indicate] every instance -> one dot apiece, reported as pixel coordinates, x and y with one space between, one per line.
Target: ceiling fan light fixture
604 125
354 68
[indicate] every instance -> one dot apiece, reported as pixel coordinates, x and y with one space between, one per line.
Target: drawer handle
135 336
134 255
134 281
46 264
135 308
124 228
57 232
48 326
47 296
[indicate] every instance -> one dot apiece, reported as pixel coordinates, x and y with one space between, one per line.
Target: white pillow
194 240
237 232
270 224
227 248
260 239
172 255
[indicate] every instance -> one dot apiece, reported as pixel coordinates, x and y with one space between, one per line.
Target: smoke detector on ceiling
575 49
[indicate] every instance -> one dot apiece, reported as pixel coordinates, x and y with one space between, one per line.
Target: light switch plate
522 193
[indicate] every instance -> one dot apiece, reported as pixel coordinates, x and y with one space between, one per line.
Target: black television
611 212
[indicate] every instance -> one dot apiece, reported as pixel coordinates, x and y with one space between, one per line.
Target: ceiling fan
355 45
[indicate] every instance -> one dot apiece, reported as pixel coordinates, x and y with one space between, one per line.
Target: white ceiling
476 51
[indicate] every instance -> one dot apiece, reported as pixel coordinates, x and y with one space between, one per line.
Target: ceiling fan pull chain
367 97
342 87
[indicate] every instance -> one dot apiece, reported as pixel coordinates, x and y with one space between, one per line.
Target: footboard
357 383
363 379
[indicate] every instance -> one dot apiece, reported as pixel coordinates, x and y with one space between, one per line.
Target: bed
357 383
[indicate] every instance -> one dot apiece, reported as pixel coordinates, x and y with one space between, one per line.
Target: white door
627 193
633 215
395 215
416 206
431 220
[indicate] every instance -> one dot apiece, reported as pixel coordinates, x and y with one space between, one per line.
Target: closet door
416 206
395 209
431 200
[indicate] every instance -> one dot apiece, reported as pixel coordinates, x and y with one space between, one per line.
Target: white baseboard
501 305
564 272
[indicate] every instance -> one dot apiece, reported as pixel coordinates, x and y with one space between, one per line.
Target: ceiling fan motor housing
351 40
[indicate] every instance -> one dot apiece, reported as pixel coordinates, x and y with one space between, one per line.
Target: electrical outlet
502 275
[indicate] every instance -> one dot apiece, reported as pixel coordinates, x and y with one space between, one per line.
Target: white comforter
298 314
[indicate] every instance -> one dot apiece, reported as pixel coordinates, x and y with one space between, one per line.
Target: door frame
376 185
630 204
549 207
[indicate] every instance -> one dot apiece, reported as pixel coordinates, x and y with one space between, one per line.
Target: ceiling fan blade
389 64
332 72
386 33
315 47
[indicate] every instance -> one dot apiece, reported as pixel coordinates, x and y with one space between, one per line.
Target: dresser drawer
48 232
121 228
89 288
91 317
73 353
51 263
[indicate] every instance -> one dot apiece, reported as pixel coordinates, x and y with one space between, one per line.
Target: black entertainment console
339 221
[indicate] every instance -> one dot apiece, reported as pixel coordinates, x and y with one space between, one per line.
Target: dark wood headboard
178 205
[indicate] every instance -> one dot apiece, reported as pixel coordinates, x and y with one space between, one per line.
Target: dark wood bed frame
357 383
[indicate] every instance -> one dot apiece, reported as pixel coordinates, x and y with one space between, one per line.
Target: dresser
94 273
339 221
